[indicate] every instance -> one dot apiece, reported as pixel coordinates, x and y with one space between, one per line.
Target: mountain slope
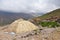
8 17
51 14
48 16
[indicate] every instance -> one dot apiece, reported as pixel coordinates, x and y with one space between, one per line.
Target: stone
22 26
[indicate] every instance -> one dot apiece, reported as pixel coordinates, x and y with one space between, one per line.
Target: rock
22 26
50 34
25 30
48 30
33 37
25 26
5 36
56 35
58 29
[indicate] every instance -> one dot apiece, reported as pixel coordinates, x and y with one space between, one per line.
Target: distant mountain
9 17
37 14
55 14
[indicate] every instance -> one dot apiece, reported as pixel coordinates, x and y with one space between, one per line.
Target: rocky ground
45 34
9 32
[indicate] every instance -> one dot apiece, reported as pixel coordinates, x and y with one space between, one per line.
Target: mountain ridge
9 17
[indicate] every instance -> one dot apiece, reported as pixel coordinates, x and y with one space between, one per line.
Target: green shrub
49 24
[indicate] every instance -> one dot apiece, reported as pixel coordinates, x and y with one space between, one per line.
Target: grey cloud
29 5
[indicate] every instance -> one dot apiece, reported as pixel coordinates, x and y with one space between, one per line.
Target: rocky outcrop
25 30
45 34
22 26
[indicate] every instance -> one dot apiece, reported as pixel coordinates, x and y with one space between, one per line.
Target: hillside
9 17
53 15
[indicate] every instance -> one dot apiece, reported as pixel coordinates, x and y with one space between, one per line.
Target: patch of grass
49 24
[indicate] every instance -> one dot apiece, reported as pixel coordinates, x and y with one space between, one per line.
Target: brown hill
51 16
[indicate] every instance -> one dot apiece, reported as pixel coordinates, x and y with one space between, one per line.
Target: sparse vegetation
49 24
51 16
55 13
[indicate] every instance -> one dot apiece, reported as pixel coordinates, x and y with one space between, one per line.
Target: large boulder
22 26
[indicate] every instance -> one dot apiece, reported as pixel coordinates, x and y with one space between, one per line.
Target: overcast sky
29 5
